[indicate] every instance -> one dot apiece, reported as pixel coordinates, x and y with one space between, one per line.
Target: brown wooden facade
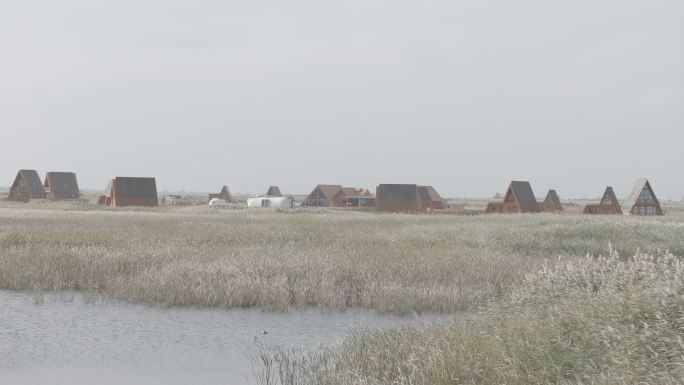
608 205
26 186
519 199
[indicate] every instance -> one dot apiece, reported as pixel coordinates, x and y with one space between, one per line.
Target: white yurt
271 202
217 202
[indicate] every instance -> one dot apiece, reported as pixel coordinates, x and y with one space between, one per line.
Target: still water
64 339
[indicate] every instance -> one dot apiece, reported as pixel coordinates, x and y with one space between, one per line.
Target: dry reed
584 321
199 256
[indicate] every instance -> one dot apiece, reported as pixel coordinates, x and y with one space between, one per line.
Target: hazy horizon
462 96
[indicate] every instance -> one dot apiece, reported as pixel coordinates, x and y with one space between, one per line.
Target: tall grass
584 321
199 256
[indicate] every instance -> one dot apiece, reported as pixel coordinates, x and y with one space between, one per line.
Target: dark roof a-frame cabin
407 198
61 186
642 200
551 203
27 185
273 191
519 198
132 191
608 205
223 194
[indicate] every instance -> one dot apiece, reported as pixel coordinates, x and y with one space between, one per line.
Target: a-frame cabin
608 205
551 203
27 185
223 194
519 199
131 191
642 200
61 186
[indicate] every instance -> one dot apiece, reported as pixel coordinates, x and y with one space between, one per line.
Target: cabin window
645 197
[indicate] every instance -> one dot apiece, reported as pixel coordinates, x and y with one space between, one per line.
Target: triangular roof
334 194
273 191
397 192
223 194
520 193
609 198
131 191
329 190
408 197
355 192
434 195
552 201
130 187
28 182
61 185
326 191
640 185
428 193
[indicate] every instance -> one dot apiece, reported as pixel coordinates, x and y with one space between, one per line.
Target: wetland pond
62 338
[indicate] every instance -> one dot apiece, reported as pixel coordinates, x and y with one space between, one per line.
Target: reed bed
230 257
602 320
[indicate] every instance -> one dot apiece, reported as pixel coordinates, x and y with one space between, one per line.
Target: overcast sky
463 95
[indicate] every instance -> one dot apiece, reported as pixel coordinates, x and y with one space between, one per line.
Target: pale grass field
206 257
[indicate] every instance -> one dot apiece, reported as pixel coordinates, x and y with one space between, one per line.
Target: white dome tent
217 202
271 202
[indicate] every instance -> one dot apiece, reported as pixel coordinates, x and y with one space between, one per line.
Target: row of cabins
388 197
519 198
226 196
121 191
57 186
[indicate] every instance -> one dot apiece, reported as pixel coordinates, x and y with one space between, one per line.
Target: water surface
64 339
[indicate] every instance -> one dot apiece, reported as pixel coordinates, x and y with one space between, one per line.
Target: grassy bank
585 321
198 256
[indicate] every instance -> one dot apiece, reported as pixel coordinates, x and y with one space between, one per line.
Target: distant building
27 185
551 203
642 200
223 194
271 202
324 195
170 200
131 191
61 186
408 198
519 199
608 205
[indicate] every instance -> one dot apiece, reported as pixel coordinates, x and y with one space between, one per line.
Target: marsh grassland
602 320
565 299
199 256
